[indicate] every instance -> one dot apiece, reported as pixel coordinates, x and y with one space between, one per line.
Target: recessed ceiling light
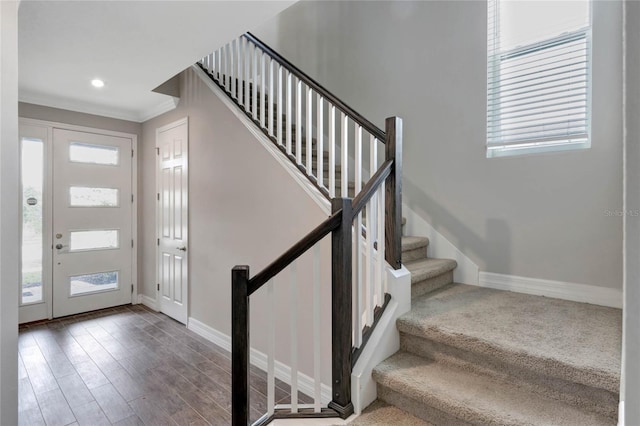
97 82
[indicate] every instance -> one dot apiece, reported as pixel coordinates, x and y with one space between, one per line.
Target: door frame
157 304
25 315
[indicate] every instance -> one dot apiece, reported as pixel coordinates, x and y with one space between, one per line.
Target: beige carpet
382 414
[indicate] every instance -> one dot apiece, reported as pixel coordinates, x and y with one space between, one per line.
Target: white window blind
539 62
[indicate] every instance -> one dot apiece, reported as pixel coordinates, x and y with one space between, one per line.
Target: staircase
468 355
471 355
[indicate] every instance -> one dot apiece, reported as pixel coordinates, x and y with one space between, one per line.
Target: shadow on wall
497 236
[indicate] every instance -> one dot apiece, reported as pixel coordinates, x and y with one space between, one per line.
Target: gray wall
540 216
244 208
9 183
630 386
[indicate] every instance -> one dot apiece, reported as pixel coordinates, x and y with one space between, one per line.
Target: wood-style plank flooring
127 366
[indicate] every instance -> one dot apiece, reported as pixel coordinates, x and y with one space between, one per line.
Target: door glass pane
32 163
93 154
93 240
80 196
91 283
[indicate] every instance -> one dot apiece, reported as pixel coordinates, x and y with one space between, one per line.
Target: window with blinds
539 76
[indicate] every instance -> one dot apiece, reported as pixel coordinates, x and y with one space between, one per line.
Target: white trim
557 289
134 218
621 413
148 301
166 106
287 164
383 342
119 114
184 120
259 359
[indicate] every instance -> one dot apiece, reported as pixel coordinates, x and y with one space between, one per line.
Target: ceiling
134 46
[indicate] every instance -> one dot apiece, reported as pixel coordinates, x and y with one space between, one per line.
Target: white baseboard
557 289
148 301
259 359
621 413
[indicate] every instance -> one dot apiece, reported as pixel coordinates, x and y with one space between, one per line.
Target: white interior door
172 219
92 221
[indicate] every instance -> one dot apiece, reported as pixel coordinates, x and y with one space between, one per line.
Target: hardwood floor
127 366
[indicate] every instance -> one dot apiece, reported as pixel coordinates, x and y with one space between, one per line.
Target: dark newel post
341 325
240 346
393 193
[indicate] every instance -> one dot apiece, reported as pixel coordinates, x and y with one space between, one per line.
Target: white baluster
332 151
358 159
270 102
232 68
263 111
247 73
227 71
271 349
371 282
293 302
344 144
317 360
223 70
299 129
218 64
359 295
280 105
289 115
240 68
320 141
309 131
381 237
372 224
254 83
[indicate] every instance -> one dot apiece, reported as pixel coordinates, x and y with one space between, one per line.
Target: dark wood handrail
297 250
371 187
366 124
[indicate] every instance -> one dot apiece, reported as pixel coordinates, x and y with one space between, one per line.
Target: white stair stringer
384 340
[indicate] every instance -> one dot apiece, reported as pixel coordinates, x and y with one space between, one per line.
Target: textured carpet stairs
472 355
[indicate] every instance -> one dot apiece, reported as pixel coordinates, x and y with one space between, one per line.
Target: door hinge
131 153
158 241
132 198
131 288
157 151
131 243
158 286
158 196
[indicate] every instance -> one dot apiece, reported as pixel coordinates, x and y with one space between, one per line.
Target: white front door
92 221
172 219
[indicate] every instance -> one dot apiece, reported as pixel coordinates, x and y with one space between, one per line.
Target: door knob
59 246
183 248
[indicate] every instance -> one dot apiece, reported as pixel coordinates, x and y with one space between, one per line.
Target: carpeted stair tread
577 342
474 399
412 243
424 269
382 414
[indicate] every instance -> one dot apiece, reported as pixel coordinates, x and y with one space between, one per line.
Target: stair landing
576 339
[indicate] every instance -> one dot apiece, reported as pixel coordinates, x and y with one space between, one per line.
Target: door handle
60 246
183 248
